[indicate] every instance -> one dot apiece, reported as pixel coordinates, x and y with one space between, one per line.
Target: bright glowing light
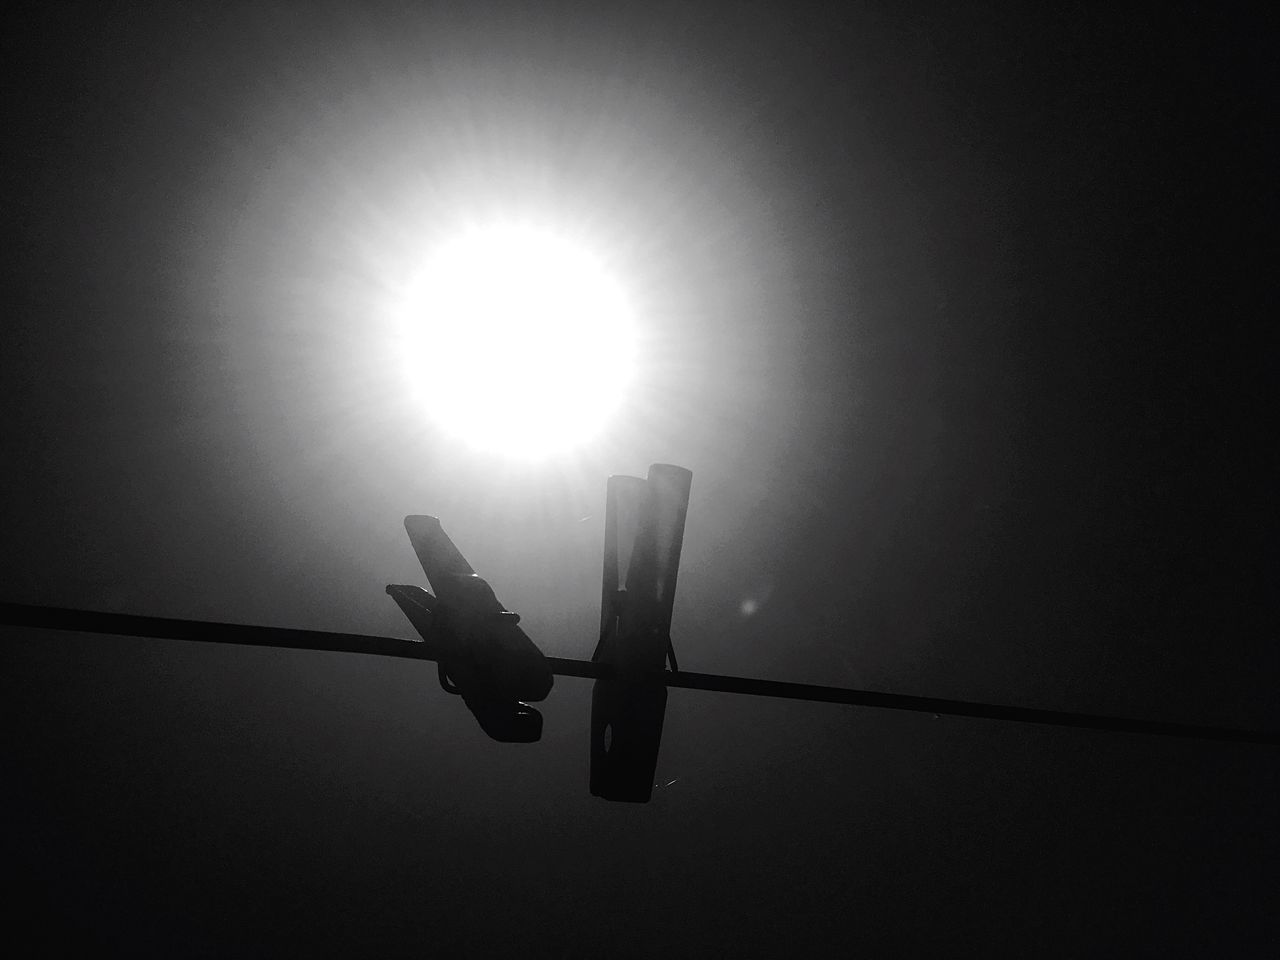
517 340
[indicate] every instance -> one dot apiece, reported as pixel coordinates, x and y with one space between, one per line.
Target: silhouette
644 531
483 656
482 653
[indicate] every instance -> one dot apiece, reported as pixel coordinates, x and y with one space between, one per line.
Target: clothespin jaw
644 532
626 736
483 654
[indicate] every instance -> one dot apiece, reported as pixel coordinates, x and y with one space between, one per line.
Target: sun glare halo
517 340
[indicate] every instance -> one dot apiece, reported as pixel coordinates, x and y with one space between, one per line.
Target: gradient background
958 318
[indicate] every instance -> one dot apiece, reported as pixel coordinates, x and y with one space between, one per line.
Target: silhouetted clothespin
483 654
644 531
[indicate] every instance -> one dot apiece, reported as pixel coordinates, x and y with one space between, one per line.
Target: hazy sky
957 319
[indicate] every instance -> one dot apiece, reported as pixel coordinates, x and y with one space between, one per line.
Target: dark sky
957 318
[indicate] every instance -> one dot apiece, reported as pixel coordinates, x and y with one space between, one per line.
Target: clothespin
483 654
644 531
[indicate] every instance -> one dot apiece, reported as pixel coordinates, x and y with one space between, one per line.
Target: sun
517 340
